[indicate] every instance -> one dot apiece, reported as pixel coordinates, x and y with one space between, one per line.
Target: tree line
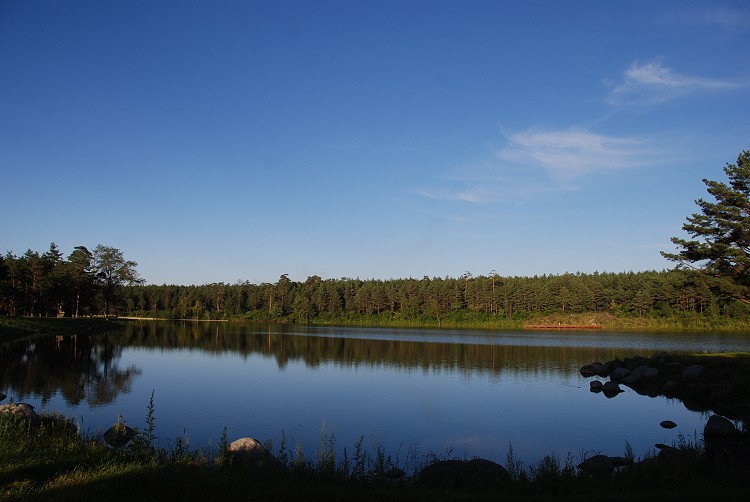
103 282
48 284
434 300
712 278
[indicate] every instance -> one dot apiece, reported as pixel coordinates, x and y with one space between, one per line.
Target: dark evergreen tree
720 244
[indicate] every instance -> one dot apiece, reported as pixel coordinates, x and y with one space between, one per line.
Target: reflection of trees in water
80 368
283 345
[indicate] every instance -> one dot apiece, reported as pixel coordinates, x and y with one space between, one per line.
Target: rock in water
668 424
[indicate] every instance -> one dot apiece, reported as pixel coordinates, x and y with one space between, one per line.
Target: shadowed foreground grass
53 462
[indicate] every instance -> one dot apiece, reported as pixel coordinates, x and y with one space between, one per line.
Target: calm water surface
457 392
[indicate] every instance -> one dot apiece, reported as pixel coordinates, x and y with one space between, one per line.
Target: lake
411 392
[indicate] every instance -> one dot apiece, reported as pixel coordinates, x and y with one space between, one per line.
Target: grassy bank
53 462
12 328
681 322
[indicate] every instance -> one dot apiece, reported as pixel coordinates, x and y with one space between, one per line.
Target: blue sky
224 141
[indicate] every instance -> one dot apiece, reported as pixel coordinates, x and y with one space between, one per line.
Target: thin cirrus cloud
536 162
653 83
571 153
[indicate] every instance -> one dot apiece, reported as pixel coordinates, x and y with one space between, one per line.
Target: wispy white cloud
653 83
721 16
570 153
535 162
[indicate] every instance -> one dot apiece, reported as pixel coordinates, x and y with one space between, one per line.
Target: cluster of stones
724 444
655 376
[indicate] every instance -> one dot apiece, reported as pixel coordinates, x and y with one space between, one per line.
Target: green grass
12 328
55 463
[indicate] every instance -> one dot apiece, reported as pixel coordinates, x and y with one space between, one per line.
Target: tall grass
57 462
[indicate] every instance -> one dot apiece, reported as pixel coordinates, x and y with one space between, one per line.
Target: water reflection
441 389
80 368
86 368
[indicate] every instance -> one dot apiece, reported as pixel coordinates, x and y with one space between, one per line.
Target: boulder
588 370
618 374
693 371
248 451
21 411
119 434
596 386
632 363
651 373
597 465
475 473
636 376
719 427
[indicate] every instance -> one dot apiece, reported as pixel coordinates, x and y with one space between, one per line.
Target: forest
711 280
101 282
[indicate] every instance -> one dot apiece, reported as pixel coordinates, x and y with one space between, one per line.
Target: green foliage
650 299
720 244
87 283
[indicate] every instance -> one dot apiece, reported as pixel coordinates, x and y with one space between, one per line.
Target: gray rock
619 373
651 373
635 376
719 427
119 434
693 371
597 465
21 411
668 424
248 451
475 473
588 370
